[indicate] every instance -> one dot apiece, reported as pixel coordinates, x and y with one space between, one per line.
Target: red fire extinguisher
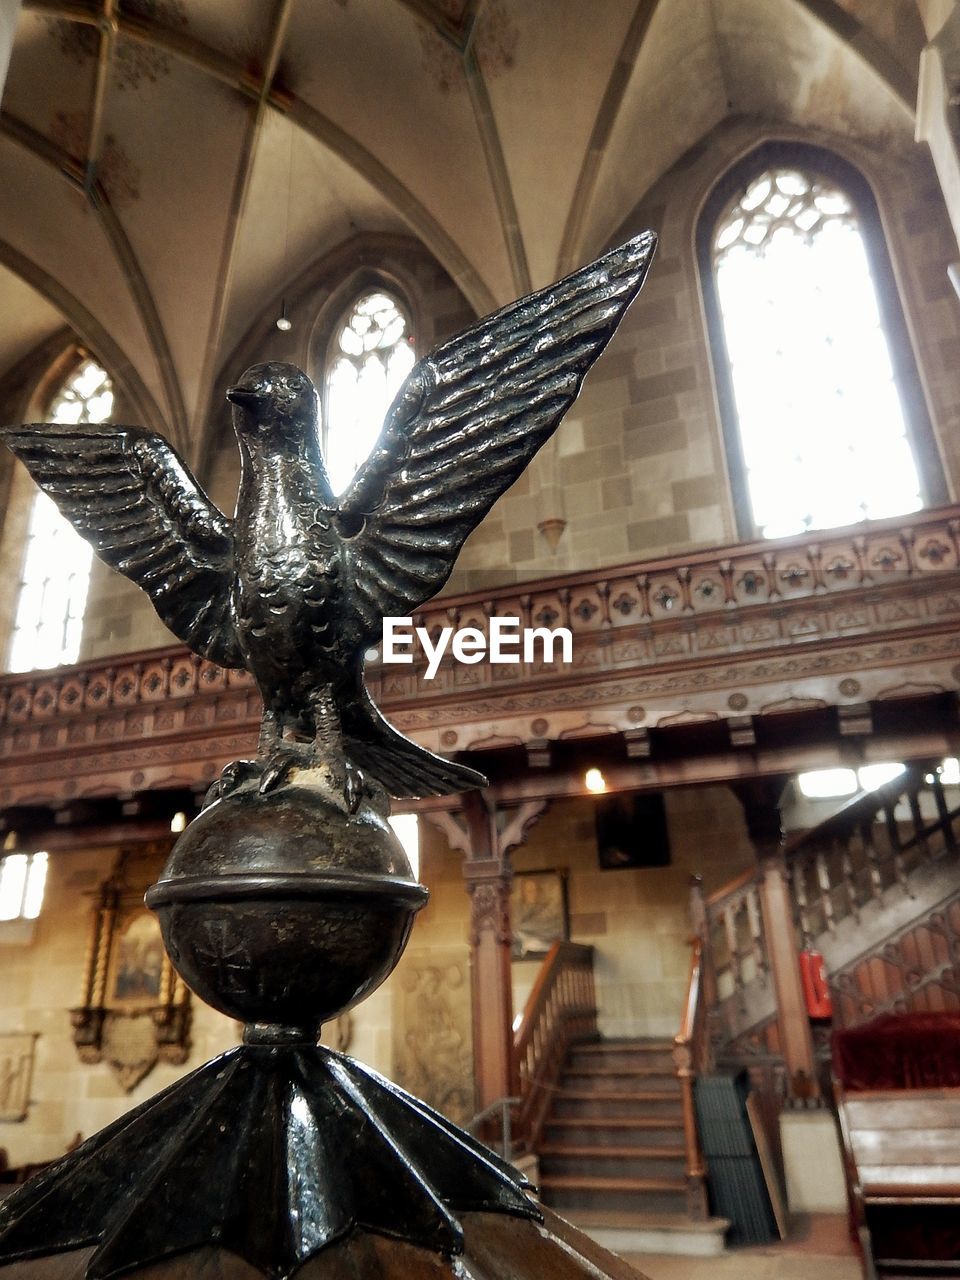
816 989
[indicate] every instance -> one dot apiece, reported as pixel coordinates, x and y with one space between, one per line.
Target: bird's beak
245 397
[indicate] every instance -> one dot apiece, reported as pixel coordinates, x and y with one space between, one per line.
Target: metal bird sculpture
294 588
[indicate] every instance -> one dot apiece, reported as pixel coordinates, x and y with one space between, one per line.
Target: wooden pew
902 1150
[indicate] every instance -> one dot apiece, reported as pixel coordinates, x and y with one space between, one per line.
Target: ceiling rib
108 37
238 198
866 45
73 171
460 34
571 247
429 231
90 332
497 169
230 71
456 31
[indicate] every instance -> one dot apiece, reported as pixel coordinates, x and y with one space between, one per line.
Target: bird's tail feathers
403 767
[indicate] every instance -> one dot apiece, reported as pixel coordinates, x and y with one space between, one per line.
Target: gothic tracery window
56 563
821 434
370 355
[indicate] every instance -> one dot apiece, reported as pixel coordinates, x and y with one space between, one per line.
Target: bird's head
274 399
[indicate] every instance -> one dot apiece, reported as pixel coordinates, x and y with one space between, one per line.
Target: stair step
622 1077
617 1106
588 1182
611 1162
664 1138
615 1095
621 1070
639 1231
624 1046
618 1123
602 1152
635 1055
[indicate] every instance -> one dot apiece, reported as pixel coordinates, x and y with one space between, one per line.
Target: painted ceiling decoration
132 63
115 170
171 168
493 41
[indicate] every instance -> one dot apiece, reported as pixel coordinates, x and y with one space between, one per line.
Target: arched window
369 356
823 415
56 561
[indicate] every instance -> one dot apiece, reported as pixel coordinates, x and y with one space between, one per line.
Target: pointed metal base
271 1153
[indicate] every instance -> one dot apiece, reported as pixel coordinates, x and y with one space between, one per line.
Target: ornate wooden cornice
724 643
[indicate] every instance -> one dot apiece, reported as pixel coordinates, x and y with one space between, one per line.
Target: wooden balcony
763 657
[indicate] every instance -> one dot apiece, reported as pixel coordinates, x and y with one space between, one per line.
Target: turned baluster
849 878
872 858
826 889
919 826
943 813
733 948
799 886
757 944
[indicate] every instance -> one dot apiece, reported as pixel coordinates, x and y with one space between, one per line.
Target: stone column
937 99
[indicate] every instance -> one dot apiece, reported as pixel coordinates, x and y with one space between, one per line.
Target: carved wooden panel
916 971
16 1071
750 633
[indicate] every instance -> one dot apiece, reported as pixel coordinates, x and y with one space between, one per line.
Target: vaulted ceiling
167 165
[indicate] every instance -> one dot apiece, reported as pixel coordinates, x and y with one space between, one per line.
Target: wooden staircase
613 1137
611 1122
875 890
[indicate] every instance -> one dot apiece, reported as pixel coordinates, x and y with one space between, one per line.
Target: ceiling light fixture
594 781
178 822
283 323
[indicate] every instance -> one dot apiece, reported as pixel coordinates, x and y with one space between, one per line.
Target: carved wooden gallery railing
730 641
876 891
560 1011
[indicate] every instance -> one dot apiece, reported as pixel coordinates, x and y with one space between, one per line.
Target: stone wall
638 468
42 977
637 919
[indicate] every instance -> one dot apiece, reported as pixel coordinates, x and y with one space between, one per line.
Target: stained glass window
56 562
371 354
821 424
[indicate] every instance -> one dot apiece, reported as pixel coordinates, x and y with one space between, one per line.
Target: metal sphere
284 909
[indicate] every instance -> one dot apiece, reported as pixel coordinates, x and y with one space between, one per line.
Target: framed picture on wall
632 830
538 912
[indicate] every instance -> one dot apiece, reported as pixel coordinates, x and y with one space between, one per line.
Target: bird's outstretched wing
129 494
466 423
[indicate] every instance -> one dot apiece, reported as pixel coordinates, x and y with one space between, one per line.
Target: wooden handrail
731 888
691 1005
559 953
863 807
690 1058
560 1011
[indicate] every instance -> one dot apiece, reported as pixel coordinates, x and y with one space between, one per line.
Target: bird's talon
353 787
279 765
232 776
274 775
